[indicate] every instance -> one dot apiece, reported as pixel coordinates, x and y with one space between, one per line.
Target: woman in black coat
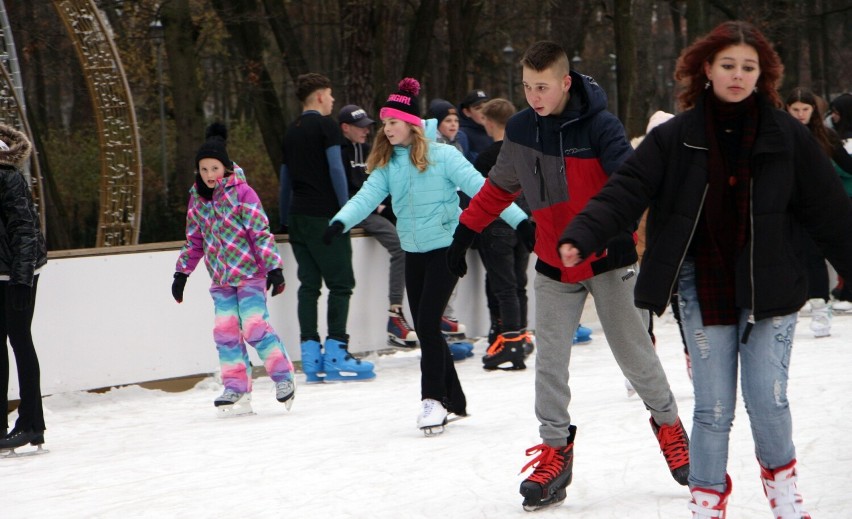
729 184
22 256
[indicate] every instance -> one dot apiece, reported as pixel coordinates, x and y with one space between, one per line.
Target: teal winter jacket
426 203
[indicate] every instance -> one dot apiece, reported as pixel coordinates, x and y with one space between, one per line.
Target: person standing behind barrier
802 104
226 225
505 257
730 182
313 186
355 126
22 256
840 117
422 178
471 123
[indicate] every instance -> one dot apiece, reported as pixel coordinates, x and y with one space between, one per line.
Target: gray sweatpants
384 231
558 310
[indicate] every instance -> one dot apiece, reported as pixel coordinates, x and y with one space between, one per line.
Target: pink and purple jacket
231 232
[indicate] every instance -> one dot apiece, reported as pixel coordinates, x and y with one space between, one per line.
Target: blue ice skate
340 366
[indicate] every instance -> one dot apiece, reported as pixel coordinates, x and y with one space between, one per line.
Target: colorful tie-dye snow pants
242 316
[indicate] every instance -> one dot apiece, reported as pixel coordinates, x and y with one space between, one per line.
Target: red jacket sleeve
486 206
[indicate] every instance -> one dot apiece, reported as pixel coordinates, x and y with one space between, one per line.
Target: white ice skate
629 387
433 417
820 318
231 404
285 391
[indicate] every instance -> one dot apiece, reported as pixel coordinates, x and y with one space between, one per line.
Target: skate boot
675 446
285 391
495 330
583 335
312 361
460 348
432 418
451 326
231 403
19 438
820 318
553 472
400 333
509 347
779 485
529 343
709 504
340 366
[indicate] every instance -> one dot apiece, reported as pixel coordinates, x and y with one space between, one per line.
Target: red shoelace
548 464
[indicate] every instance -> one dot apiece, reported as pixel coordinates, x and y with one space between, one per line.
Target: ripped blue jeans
764 364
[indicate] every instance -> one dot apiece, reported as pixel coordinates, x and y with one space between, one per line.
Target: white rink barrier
106 317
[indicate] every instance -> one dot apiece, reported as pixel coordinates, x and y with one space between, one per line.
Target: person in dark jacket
471 124
22 255
729 184
559 152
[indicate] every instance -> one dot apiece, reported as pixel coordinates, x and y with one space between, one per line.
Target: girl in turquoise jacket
423 178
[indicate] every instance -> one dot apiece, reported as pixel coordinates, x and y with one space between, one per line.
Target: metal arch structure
13 109
120 151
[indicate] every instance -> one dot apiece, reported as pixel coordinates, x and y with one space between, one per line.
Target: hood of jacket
19 147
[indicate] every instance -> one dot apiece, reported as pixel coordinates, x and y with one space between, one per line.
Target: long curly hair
382 149
689 71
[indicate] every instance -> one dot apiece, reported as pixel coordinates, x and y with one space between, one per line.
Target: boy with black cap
471 123
355 126
313 188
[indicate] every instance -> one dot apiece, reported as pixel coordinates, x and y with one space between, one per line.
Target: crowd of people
742 199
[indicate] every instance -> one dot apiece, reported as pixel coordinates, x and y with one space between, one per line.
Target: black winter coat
793 186
22 246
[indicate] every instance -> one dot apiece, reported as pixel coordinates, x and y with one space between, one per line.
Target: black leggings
15 326
429 284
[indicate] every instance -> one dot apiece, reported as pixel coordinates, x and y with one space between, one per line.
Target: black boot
20 437
509 347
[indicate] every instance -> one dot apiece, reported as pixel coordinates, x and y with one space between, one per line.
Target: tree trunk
187 98
285 36
462 19
625 51
420 38
241 19
357 39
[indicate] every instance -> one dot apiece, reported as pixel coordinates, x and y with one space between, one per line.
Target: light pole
156 29
509 58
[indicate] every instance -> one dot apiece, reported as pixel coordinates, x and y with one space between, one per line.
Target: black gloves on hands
177 286
334 230
526 233
275 281
19 297
462 240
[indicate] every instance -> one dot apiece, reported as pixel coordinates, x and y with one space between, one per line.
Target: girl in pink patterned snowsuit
226 225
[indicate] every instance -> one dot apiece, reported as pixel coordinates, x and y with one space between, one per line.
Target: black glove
462 240
177 286
275 281
334 230
526 233
19 297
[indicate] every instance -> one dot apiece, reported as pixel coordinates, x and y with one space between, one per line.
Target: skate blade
349 376
18 453
289 402
229 411
433 430
513 366
401 344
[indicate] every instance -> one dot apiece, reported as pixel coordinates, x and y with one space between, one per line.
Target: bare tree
242 21
180 38
357 42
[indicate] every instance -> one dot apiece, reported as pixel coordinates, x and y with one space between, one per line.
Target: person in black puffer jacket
22 255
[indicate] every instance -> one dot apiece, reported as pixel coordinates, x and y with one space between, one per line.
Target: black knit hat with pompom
214 146
404 104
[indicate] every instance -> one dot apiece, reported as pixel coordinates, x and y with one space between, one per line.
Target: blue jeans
764 362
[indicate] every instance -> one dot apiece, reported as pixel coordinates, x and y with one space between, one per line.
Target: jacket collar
770 138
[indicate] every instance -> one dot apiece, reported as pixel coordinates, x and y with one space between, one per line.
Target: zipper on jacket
691 235
540 175
750 324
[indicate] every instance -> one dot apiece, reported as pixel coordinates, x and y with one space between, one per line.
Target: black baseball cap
354 115
474 97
